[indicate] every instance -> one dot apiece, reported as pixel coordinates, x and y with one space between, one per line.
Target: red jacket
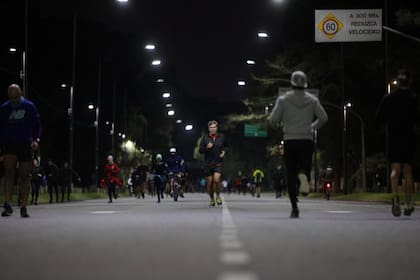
111 175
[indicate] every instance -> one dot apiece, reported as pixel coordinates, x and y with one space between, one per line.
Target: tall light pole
71 110
24 54
345 149
97 122
346 110
363 151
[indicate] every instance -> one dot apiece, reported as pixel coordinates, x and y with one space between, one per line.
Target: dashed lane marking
103 212
238 275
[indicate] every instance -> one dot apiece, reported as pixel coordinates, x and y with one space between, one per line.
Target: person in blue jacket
20 130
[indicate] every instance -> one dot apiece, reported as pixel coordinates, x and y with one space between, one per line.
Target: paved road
246 239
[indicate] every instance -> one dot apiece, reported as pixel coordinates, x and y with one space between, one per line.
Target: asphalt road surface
245 239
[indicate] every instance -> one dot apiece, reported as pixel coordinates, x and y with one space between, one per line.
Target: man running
111 179
258 177
213 146
20 130
296 110
399 112
160 171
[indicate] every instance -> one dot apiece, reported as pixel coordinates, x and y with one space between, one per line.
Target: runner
111 180
160 171
258 177
20 130
399 112
296 111
213 146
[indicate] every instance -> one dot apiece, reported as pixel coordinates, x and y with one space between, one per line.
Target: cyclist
176 168
213 146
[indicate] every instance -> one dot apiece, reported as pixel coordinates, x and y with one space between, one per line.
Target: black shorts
209 170
22 152
401 149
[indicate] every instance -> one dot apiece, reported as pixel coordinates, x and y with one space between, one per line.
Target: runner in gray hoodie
300 113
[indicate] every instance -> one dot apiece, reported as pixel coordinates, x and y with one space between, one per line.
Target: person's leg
217 186
68 191
408 185
290 158
56 192
210 188
63 192
9 162
305 164
395 178
25 168
37 188
109 189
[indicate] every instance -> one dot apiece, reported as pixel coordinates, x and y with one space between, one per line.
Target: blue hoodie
20 124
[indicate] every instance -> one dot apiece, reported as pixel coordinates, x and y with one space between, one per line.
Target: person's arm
203 145
276 113
36 127
321 116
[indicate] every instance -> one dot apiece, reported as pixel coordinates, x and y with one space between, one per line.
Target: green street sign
251 130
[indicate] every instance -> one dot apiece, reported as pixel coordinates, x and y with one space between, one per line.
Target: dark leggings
159 189
35 191
298 158
112 190
53 187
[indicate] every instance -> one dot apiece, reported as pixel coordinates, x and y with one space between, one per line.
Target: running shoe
304 184
212 203
295 213
7 210
396 208
408 210
24 212
219 201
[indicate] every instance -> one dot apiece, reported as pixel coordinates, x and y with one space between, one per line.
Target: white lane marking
103 212
340 212
235 258
229 245
238 275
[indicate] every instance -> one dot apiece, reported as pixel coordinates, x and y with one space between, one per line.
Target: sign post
363 25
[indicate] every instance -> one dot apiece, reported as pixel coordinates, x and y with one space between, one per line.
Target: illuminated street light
178 121
188 127
12 50
171 113
122 1
262 34
160 80
278 1
150 47
348 105
250 62
241 83
91 106
63 86
166 95
156 62
169 105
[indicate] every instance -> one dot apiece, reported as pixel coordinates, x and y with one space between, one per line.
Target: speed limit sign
330 25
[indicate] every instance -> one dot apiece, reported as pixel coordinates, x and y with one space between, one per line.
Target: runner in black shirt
213 146
399 112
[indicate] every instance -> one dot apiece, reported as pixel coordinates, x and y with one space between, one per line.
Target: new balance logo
17 115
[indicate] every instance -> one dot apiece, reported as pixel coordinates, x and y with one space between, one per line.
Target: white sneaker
304 184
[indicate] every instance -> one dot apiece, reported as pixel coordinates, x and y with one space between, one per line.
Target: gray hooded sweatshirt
300 113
